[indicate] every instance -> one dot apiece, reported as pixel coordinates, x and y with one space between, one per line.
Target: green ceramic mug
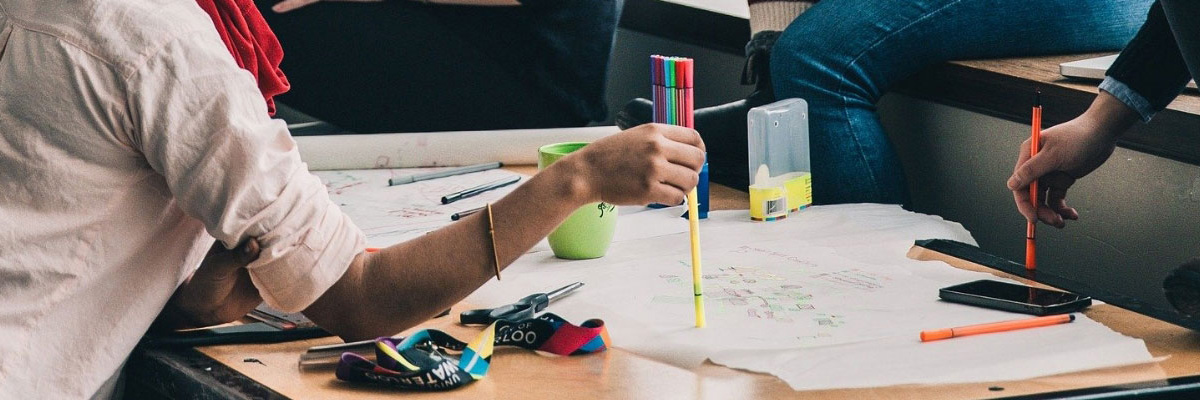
589 230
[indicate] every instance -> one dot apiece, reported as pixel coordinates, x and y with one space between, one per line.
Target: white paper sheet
824 299
393 214
431 149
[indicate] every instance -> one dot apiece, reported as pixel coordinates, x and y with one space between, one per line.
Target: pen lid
670 76
656 70
688 72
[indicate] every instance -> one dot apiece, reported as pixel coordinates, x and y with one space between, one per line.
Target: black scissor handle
474 317
484 316
522 309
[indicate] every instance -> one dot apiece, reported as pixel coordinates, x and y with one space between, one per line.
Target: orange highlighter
939 334
1034 144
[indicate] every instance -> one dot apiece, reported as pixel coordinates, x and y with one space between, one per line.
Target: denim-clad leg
842 55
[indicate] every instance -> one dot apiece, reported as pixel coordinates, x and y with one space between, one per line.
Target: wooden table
271 371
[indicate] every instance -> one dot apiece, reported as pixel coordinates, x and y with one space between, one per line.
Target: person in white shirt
130 140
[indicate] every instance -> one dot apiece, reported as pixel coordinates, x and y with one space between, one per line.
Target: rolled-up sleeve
1130 97
200 122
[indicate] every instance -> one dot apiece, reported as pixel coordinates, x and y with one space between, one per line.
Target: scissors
524 308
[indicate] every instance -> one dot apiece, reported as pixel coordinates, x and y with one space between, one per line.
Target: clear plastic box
780 161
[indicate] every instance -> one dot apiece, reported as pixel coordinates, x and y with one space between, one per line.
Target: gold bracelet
492 234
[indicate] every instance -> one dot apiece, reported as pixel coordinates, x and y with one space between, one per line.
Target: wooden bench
1002 88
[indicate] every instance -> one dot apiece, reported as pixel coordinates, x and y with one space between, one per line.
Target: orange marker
372 249
939 334
1034 144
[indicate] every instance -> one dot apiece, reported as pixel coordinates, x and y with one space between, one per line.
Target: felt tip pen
1035 144
459 215
456 196
400 180
939 334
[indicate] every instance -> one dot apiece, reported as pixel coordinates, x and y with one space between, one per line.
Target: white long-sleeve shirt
129 139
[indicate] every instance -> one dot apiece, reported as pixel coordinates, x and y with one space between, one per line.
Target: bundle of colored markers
671 78
671 81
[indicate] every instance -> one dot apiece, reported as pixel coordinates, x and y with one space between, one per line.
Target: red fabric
251 43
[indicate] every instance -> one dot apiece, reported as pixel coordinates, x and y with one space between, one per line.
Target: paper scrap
393 214
432 149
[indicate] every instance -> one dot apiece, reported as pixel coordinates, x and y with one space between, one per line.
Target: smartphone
1016 298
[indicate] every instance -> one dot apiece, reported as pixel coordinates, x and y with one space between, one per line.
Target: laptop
1093 69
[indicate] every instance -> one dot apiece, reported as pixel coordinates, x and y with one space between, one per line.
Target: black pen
443 173
453 197
459 215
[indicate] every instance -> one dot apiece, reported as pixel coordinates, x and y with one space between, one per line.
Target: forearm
194 307
219 291
170 319
1110 117
403 285
186 310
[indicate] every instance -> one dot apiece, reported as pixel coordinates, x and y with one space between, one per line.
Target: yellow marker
697 279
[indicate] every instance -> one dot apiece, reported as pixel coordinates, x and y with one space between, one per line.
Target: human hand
651 163
289 5
220 290
1069 151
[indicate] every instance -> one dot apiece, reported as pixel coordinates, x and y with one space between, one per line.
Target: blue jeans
842 55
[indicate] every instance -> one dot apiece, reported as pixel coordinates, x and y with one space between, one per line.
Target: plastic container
780 162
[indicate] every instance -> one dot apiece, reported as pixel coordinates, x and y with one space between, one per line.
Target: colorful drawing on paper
749 292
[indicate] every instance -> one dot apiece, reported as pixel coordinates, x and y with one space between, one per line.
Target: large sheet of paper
825 299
